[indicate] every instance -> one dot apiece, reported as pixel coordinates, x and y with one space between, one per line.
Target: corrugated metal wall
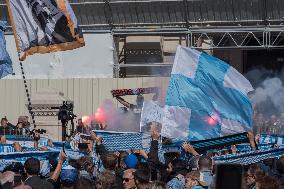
87 94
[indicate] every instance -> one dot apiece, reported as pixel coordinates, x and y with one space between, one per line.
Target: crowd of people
137 169
273 124
6 128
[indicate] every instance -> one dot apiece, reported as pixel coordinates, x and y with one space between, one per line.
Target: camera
35 133
66 111
40 131
65 114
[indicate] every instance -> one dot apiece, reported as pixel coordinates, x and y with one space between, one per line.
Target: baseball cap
131 161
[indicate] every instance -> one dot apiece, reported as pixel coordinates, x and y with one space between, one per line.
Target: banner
117 141
43 26
151 112
5 61
250 157
8 158
136 91
206 98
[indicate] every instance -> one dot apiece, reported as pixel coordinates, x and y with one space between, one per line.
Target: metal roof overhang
98 14
241 20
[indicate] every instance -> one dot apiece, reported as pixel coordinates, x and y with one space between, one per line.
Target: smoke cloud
268 97
115 118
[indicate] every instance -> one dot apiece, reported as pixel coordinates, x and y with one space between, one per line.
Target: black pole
72 127
28 95
64 123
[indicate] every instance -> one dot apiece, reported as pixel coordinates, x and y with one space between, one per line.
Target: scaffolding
226 24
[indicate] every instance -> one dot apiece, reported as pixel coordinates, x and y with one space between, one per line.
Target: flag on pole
5 61
43 26
151 112
206 98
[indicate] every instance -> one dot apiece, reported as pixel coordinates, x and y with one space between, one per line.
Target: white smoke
269 94
115 119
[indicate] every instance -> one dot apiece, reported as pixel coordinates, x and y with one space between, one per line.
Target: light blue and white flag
206 98
5 61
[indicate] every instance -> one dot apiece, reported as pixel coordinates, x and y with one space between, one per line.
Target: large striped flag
5 61
43 26
206 98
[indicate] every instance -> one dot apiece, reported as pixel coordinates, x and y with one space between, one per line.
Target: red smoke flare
100 115
86 120
213 120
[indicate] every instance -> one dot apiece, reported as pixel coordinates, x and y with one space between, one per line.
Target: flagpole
27 93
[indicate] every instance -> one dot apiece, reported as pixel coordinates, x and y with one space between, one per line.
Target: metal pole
28 94
116 67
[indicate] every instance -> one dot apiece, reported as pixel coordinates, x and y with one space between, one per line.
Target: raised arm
100 148
57 171
156 95
123 102
153 154
252 141
189 149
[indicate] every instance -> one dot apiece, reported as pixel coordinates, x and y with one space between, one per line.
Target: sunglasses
127 179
